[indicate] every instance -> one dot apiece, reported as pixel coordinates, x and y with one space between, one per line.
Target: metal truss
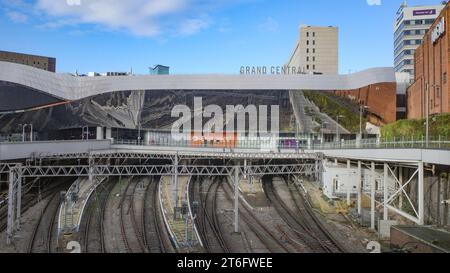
140 154
5 167
159 170
394 195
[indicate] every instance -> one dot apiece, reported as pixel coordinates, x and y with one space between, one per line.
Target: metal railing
387 143
301 144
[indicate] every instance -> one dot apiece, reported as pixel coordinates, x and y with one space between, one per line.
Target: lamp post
337 127
361 110
322 128
24 127
427 113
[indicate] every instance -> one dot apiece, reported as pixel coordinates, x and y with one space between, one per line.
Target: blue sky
192 36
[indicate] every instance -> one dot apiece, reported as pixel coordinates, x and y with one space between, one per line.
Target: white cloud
374 2
269 25
17 17
148 18
192 26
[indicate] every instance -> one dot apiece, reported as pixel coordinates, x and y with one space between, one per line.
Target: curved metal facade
71 88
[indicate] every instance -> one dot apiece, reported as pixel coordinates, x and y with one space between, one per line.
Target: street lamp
427 123
24 127
361 110
337 127
85 132
322 128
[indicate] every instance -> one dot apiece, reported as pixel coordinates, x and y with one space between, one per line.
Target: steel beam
236 198
359 187
421 194
372 197
385 192
159 170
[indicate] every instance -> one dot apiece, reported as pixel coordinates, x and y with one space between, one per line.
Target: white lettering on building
438 30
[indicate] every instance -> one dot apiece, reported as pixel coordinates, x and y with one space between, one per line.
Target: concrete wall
10 151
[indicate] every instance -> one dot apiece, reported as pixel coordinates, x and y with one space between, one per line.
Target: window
307 34
314 34
307 59
314 42
314 59
314 67
307 67
314 50
307 42
307 50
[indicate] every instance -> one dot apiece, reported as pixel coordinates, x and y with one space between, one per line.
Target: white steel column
372 197
175 181
400 179
10 224
421 195
236 199
19 202
359 186
349 186
385 193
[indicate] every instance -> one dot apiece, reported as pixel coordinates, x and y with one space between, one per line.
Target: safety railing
279 144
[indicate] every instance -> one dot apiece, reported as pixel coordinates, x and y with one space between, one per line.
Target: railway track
302 220
153 230
132 240
262 232
207 221
41 237
314 224
92 223
29 200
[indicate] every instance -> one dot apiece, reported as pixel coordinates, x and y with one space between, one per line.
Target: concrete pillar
445 198
100 135
372 197
236 199
147 136
359 186
385 192
175 180
19 202
421 193
11 194
108 133
400 179
349 184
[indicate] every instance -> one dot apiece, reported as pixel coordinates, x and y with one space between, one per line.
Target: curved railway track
302 205
207 222
153 231
302 220
266 236
41 237
29 200
92 230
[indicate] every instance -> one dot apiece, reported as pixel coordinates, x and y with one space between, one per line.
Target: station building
432 65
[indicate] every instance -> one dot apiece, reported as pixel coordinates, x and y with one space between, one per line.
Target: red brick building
380 98
431 71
